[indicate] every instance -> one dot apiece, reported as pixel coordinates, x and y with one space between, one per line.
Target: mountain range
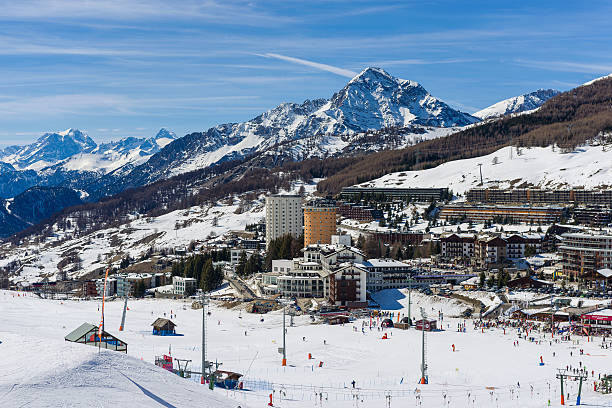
72 159
374 111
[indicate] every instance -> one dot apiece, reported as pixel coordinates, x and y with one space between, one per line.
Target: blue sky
126 68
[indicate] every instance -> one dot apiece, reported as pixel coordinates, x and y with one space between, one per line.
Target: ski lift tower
205 364
424 343
283 350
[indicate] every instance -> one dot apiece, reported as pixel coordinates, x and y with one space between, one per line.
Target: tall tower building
319 223
283 216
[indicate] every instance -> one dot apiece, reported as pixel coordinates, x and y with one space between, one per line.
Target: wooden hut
88 333
163 327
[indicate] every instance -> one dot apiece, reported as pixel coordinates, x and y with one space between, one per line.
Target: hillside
34 205
545 167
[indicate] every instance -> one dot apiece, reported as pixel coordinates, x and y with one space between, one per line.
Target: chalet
88 333
163 327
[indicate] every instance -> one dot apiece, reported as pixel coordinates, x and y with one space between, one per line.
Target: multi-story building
359 212
593 216
539 196
518 245
387 274
301 279
423 195
283 216
508 214
347 285
457 246
111 286
319 224
89 289
126 283
491 250
183 286
584 253
310 275
4 280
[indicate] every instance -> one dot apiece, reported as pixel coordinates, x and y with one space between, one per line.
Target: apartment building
387 274
347 286
457 246
111 286
584 253
540 196
89 289
507 214
491 250
359 212
488 249
183 286
313 274
283 216
422 195
319 223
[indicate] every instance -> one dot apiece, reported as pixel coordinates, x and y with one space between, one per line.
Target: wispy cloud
225 12
419 61
323 67
568 66
103 104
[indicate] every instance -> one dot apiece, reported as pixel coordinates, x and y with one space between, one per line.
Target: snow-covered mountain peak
380 76
517 104
164 133
375 99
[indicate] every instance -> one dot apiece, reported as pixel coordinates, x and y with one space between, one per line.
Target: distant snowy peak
163 137
517 104
49 149
73 149
110 156
374 99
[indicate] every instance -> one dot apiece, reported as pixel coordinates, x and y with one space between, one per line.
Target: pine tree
206 276
241 267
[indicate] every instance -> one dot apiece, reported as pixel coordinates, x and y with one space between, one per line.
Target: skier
353 382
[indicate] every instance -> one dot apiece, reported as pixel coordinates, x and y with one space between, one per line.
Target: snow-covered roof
471 281
606 272
384 263
604 312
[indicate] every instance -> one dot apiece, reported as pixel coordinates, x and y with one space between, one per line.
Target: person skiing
353 383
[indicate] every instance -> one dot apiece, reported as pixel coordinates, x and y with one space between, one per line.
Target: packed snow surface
41 369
